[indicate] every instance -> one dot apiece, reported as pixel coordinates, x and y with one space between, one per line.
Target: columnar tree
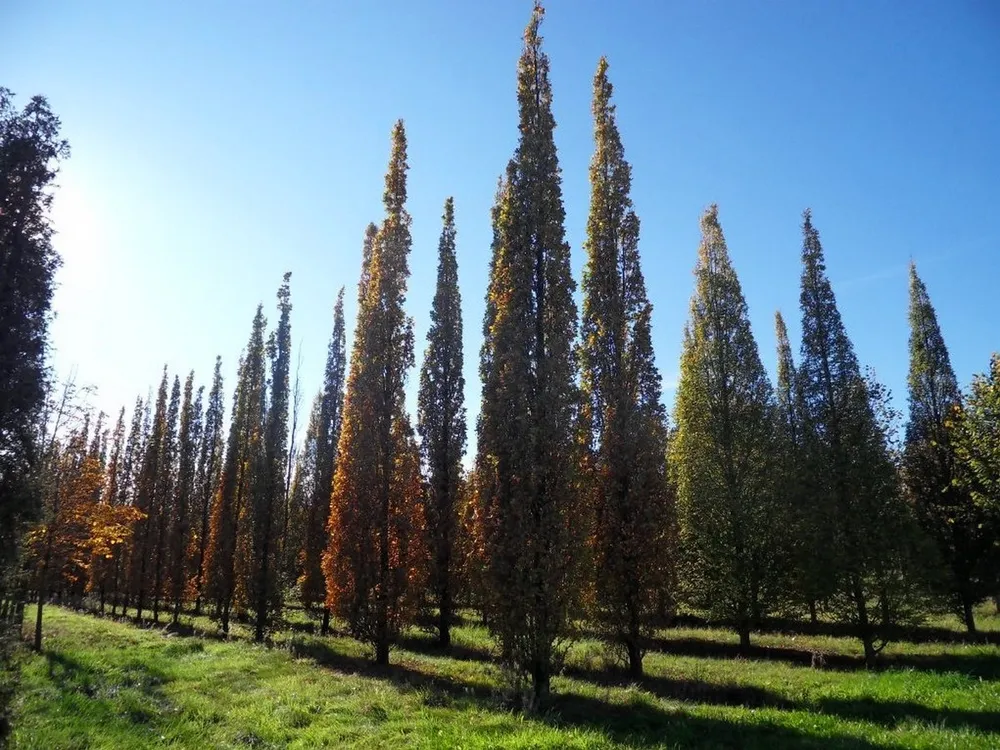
143 546
375 553
724 451
184 493
268 503
30 152
131 471
102 566
526 462
863 539
207 480
228 539
164 488
325 435
621 388
441 424
790 447
944 507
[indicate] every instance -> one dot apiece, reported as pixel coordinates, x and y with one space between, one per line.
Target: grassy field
108 684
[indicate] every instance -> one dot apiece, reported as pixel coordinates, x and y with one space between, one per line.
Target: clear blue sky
218 144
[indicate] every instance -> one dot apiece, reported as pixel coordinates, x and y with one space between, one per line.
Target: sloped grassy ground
109 684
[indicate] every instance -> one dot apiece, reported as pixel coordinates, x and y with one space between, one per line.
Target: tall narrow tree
184 493
622 393
147 502
795 508
724 451
228 539
376 538
209 466
102 566
164 488
128 497
269 499
945 508
860 528
30 152
325 436
441 424
526 462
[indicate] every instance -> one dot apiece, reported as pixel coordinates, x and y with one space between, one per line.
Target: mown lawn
108 684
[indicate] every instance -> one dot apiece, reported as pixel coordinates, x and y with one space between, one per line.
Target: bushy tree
976 430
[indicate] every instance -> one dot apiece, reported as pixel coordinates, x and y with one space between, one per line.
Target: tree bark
745 639
382 652
967 614
634 659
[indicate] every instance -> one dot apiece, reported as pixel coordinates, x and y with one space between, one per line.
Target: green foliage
207 479
526 464
626 420
441 425
960 529
976 429
324 434
30 153
864 540
723 455
802 587
227 554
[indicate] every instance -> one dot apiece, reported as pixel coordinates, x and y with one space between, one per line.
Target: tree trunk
967 614
444 617
634 659
325 627
540 683
871 655
382 652
37 645
864 626
745 639
812 612
262 581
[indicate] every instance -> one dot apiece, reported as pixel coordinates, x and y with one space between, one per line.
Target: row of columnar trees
760 500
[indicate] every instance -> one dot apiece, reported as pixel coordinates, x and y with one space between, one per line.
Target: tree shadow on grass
428 646
684 690
639 723
145 703
986 666
907 634
893 713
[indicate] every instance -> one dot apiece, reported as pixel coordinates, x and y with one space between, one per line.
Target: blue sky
218 144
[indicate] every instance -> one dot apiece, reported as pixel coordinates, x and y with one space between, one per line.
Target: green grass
108 684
